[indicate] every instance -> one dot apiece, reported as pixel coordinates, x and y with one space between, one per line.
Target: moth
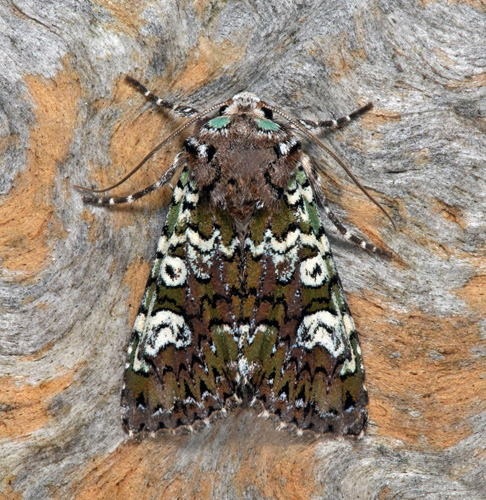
243 305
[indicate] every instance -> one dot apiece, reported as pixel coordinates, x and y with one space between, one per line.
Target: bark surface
72 275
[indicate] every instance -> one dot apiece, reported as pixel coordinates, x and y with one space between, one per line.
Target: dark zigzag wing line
301 350
183 351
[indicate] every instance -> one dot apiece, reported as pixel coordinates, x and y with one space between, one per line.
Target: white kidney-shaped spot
313 271
322 328
164 328
173 271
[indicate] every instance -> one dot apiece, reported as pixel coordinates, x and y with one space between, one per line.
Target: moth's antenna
160 145
333 155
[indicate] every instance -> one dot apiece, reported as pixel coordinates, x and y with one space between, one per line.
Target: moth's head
243 102
246 103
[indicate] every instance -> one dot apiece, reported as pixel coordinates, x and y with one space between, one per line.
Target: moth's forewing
181 361
303 353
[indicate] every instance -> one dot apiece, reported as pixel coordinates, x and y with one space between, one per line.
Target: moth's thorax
241 160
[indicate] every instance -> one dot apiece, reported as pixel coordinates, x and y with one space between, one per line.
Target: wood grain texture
72 275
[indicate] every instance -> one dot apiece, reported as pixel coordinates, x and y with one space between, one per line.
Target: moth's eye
267 125
222 109
218 122
268 113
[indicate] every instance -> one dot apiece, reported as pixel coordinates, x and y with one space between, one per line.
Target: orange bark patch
127 13
27 222
384 493
26 405
423 379
421 157
279 475
474 294
89 218
9 493
134 471
477 4
272 463
449 212
470 82
207 62
339 56
136 278
200 7
377 118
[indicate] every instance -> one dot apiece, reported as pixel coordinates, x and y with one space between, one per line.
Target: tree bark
72 275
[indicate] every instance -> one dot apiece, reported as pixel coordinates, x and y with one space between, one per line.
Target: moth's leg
321 199
107 200
180 109
340 122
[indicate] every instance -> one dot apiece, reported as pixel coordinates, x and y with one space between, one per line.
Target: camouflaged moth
243 304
